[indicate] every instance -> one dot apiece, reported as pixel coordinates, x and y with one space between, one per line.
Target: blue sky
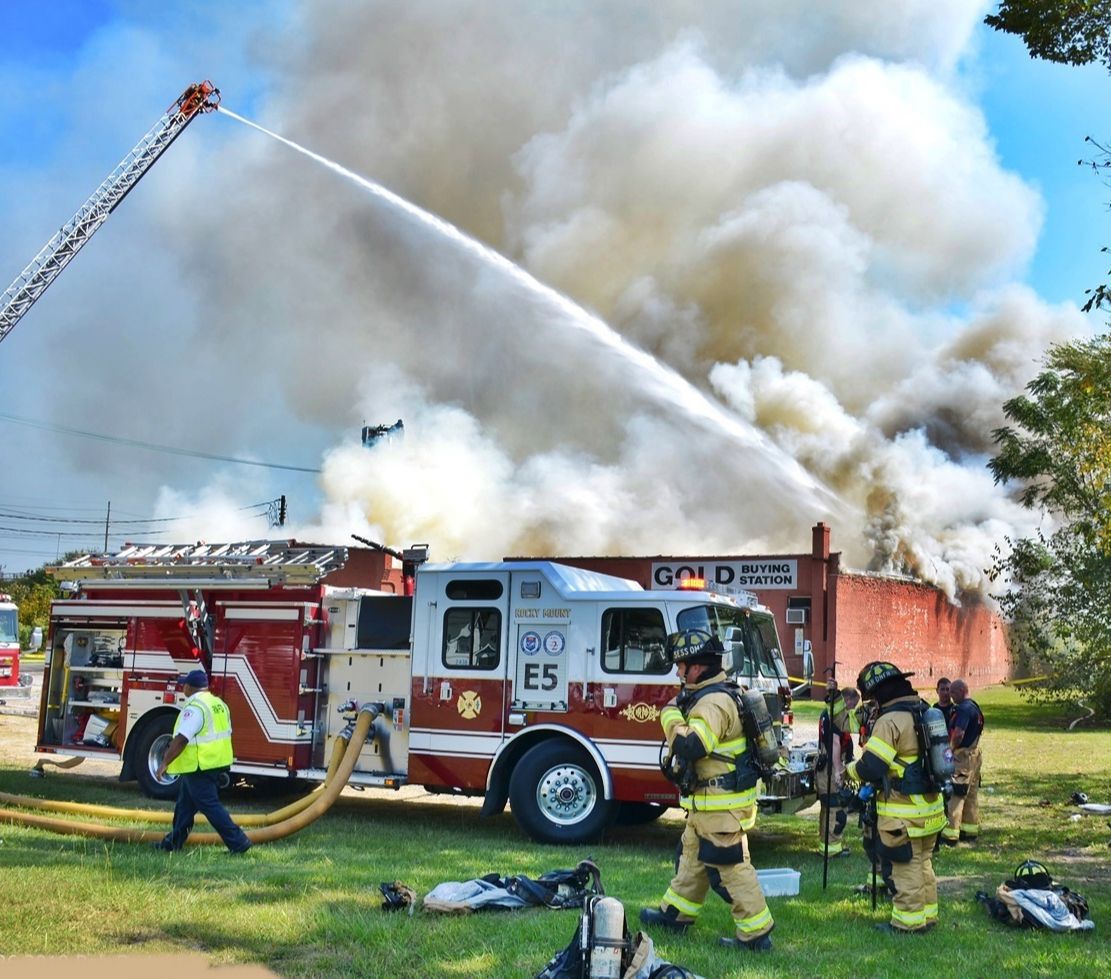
153 335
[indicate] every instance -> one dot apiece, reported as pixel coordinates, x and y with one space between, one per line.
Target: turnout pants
719 861
914 905
199 792
963 808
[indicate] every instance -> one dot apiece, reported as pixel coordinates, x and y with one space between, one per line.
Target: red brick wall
915 627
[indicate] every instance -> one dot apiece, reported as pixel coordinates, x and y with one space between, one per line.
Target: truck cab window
472 638
633 641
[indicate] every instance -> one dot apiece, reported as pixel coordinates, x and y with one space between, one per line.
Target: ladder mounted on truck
243 565
59 251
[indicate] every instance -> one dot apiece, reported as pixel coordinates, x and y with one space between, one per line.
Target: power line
22 516
150 446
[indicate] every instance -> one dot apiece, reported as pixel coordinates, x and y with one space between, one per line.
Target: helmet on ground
875 673
1031 875
1030 868
694 646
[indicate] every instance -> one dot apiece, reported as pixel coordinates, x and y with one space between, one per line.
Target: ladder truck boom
57 253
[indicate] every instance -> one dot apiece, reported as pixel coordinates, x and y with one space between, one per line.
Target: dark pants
199 792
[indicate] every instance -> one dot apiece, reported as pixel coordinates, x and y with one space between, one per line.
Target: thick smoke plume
797 207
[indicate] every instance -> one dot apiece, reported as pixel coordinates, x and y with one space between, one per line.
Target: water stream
659 382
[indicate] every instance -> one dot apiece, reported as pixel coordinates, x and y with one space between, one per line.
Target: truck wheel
556 795
154 739
639 813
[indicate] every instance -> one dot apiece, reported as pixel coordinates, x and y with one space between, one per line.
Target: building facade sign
770 573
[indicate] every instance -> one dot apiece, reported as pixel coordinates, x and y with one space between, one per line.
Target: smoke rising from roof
797 207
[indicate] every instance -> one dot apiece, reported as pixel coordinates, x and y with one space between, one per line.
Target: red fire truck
528 682
9 642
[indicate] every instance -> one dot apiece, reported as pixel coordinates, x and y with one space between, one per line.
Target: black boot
664 919
761 944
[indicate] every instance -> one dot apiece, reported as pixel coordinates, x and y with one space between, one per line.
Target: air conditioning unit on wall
796 616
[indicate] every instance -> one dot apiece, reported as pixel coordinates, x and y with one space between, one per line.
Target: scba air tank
607 938
937 741
758 727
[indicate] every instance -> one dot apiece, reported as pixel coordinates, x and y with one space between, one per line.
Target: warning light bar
692 584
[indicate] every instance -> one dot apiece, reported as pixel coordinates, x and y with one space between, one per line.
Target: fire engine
532 683
9 642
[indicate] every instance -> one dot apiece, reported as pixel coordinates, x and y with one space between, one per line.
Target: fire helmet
875 673
1031 875
1030 868
694 646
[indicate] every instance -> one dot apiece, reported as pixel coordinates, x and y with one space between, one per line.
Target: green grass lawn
309 905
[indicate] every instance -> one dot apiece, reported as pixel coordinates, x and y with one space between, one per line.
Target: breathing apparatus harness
747 767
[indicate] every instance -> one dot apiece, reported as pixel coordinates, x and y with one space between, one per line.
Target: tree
32 592
1058 448
1072 32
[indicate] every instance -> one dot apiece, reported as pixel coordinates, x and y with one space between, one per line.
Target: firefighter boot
761 944
664 919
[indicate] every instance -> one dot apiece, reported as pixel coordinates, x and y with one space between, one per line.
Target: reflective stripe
719 801
705 735
835 847
670 715
756 923
881 749
919 807
734 748
681 904
935 824
908 919
951 834
930 911
972 828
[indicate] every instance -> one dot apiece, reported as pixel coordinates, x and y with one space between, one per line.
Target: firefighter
909 812
945 699
709 758
198 755
842 707
966 724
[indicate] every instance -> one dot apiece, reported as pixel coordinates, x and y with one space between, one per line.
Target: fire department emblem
469 704
641 713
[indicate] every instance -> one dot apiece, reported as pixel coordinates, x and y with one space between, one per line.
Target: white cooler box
779 881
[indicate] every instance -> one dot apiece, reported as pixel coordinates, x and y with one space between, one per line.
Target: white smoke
797 207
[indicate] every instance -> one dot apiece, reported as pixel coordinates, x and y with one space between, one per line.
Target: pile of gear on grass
1032 899
602 947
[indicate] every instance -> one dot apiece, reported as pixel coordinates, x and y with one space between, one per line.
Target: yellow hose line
160 816
321 803
40 765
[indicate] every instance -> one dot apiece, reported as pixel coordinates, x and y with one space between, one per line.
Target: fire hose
161 816
321 802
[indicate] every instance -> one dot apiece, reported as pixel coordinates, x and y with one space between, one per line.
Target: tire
153 739
639 813
556 795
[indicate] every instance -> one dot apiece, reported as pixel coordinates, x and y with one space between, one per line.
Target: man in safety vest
966 724
198 754
710 760
910 811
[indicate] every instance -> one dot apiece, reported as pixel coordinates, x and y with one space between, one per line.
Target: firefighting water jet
666 385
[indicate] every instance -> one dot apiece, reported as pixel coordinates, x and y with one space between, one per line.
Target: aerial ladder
59 251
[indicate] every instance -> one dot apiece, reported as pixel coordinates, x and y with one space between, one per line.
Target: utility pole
107 520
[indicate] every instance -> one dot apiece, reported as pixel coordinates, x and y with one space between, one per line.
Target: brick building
848 616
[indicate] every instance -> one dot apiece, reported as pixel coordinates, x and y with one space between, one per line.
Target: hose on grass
320 804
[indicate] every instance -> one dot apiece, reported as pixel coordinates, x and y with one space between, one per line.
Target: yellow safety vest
212 746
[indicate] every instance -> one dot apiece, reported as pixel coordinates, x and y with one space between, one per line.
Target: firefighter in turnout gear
710 759
842 707
966 724
198 754
910 811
